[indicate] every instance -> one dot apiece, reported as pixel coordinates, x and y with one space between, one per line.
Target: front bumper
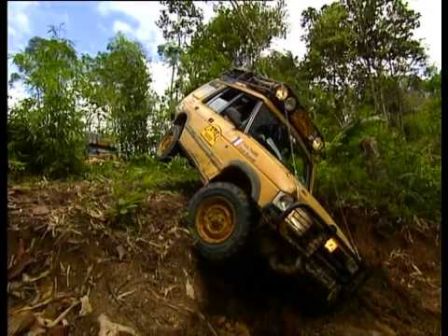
323 255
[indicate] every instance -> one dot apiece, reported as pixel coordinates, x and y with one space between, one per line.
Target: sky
91 24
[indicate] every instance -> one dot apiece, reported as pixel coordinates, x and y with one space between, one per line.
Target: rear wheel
219 216
168 145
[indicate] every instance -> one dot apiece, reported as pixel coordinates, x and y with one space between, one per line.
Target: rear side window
219 103
207 90
233 105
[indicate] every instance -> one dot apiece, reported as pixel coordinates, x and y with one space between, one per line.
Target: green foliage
45 131
16 167
215 46
363 78
125 83
363 50
178 21
402 181
124 210
361 81
133 181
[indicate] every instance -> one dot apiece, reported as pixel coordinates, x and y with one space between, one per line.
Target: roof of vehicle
263 85
298 117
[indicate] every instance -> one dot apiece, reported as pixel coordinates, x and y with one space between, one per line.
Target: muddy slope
69 269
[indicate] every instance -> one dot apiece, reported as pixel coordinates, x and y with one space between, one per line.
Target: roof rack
249 77
258 83
268 87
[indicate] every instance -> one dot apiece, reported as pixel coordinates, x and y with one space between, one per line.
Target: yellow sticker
210 134
331 245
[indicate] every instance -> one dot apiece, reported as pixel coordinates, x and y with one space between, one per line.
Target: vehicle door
232 110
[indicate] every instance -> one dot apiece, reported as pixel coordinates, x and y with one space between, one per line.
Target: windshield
271 133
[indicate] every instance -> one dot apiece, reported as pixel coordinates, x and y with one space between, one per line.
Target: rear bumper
323 255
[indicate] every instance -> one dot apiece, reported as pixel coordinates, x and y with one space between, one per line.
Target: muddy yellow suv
253 145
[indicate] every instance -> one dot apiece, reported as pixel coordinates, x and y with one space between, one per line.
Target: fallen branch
109 328
121 296
27 279
20 266
42 303
63 314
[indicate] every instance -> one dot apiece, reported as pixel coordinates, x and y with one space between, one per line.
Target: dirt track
61 248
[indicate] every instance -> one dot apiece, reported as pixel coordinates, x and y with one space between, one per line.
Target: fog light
331 245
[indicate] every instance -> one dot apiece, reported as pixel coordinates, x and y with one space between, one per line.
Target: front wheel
168 145
219 216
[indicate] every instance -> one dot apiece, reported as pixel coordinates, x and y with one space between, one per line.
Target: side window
274 136
266 125
207 90
219 102
233 105
240 110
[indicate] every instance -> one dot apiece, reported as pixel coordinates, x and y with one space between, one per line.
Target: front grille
300 221
310 237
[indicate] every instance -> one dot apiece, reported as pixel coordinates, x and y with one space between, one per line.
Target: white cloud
18 23
161 76
292 41
207 10
144 14
16 93
430 29
121 26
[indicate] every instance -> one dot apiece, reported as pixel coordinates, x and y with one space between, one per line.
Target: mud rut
70 271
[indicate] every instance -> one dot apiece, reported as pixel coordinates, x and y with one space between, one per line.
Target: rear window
220 101
207 90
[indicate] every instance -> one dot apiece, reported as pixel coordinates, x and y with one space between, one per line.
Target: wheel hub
215 220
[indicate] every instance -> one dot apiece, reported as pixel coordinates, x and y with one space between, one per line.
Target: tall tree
46 129
330 55
384 46
235 36
363 49
94 99
125 90
178 21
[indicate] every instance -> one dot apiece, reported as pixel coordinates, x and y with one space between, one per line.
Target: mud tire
242 208
172 148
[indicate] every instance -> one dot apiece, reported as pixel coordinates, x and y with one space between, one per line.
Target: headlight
281 92
318 144
283 201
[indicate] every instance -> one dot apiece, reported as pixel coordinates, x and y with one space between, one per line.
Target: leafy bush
133 181
44 146
402 181
45 131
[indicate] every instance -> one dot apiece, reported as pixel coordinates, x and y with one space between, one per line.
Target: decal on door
210 134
